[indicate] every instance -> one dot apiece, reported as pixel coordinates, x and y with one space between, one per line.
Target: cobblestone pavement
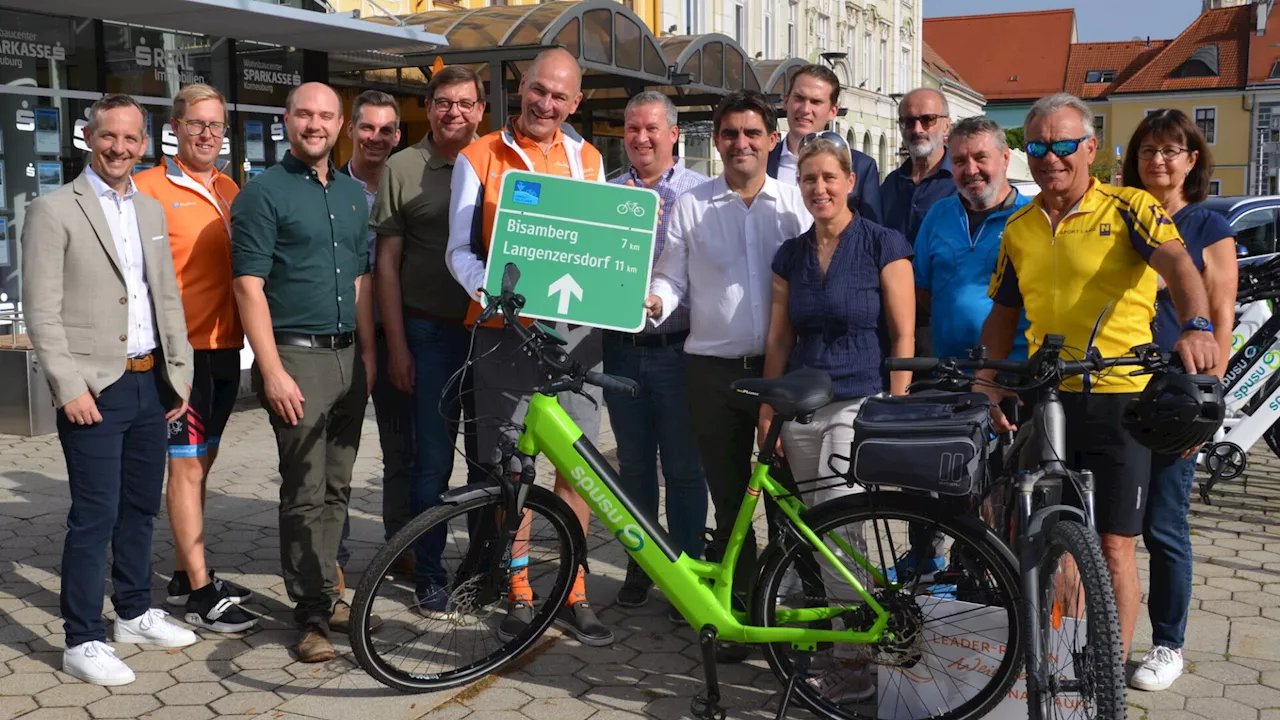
1233 643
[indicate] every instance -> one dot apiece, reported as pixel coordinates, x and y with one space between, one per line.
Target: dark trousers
116 474
1167 535
316 457
725 423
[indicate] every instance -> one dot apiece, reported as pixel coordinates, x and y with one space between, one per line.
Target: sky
1096 20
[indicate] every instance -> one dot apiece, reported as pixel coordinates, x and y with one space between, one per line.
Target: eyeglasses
1147 154
926 121
1061 148
197 127
445 104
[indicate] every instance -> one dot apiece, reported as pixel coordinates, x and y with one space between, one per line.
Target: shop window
146 62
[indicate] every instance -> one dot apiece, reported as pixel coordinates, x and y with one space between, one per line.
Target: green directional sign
584 249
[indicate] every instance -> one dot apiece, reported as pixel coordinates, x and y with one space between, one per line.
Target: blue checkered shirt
670 186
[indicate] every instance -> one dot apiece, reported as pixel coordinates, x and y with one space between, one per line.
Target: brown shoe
340 620
314 645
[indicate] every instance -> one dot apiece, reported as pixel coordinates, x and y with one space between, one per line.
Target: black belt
651 339
329 342
749 362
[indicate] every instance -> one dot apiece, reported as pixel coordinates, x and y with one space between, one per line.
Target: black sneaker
635 589
579 620
211 609
180 589
519 615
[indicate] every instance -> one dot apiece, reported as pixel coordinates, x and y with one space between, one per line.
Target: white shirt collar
722 191
101 188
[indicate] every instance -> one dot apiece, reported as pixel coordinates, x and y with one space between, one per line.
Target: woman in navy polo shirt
1169 158
843 301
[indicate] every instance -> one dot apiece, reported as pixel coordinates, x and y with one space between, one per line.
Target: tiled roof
1264 51
936 64
1227 29
1021 56
1122 58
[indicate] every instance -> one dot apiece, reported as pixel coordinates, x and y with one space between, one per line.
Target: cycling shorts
214 388
1121 466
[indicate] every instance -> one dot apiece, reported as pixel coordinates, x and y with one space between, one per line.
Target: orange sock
520 590
579 592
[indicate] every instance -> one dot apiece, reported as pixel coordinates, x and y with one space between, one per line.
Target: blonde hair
192 94
822 146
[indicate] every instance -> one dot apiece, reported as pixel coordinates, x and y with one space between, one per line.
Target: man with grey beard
925 178
959 240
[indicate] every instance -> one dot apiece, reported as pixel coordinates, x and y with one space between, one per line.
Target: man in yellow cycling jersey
1083 261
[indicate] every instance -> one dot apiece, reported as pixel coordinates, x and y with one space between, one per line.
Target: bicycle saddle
795 394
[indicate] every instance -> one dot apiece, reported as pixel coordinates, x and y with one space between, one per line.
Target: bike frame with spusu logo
1254 358
701 590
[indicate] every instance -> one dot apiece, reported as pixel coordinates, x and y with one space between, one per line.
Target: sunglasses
831 135
926 121
1061 148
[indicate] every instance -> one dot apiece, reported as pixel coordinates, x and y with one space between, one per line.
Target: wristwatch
1198 323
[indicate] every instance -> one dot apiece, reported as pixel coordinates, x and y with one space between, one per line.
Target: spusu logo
630 535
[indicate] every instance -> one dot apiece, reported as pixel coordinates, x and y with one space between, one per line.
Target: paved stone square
1233 642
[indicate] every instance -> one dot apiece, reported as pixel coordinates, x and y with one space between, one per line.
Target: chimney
1148 45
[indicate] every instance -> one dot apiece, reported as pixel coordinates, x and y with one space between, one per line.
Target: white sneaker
1160 667
96 662
151 628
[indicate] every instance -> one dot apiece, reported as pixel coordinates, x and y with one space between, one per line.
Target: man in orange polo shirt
536 141
197 205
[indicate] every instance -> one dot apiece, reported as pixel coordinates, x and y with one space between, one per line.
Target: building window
768 28
740 24
884 67
866 59
1207 120
1100 76
1275 71
849 49
692 17
1100 129
905 81
1215 187
791 30
824 25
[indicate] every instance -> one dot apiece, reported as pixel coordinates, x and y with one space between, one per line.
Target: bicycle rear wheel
448 625
1080 636
953 646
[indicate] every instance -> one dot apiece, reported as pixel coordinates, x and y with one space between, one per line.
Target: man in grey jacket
105 318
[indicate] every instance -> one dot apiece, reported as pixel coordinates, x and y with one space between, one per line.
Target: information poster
4 243
254 148
4 196
48 132
282 149
50 177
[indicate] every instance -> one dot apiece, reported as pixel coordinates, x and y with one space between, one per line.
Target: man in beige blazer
103 312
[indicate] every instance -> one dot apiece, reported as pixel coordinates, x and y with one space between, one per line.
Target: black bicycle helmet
1176 412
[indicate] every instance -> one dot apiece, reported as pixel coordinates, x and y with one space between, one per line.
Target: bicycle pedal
704 708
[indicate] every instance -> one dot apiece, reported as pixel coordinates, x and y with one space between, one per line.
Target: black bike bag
932 441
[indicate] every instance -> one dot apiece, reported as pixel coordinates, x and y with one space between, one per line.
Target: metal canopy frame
778 74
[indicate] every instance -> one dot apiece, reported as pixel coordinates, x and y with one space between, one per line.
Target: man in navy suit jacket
813 103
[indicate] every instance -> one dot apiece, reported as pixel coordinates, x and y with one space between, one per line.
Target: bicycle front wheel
1079 630
953 645
450 623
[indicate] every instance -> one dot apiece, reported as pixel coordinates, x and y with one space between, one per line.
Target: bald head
313 116
549 93
924 120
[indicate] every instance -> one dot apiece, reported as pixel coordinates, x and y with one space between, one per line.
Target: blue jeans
115 471
439 350
1167 535
658 420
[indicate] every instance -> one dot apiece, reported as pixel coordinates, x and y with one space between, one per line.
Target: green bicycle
840 635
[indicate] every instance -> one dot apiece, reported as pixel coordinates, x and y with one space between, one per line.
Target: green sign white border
493 276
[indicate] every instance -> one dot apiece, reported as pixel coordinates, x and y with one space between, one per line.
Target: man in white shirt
720 246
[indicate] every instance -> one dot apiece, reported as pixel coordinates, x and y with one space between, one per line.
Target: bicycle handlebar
545 348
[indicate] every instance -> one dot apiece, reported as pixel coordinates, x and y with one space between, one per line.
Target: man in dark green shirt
299 251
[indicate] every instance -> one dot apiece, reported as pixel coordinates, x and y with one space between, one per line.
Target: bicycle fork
491 553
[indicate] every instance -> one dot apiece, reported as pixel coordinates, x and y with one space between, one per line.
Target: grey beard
981 200
921 149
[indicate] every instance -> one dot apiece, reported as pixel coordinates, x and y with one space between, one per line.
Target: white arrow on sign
567 287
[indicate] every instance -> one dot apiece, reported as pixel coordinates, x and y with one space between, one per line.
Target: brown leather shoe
314 645
340 620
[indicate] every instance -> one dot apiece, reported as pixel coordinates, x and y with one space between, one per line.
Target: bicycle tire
1103 622
540 501
898 507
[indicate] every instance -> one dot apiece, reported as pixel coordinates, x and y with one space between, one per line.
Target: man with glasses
423 309
1082 260
925 178
812 104
197 198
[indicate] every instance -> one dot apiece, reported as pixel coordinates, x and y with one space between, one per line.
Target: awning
777 74
246 20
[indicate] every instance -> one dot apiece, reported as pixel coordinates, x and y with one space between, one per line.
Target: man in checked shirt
659 419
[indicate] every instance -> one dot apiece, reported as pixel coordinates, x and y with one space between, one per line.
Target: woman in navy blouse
843 301
1169 158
